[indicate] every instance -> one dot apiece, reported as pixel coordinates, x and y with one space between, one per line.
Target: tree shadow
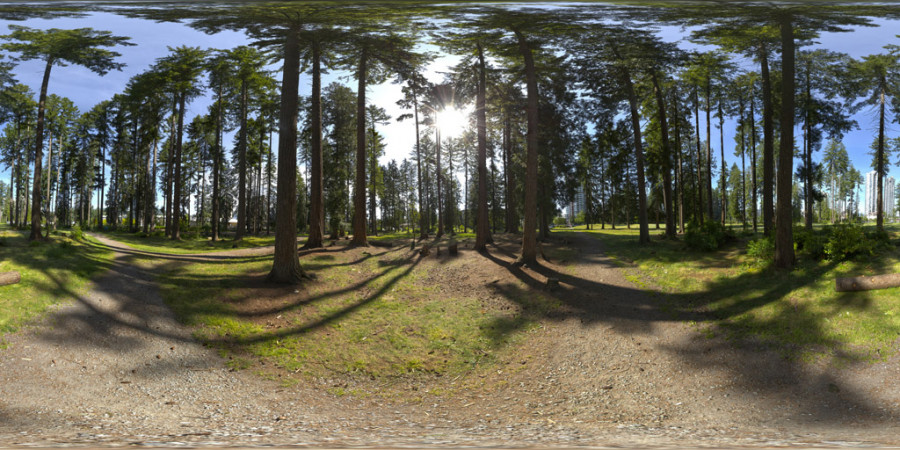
763 353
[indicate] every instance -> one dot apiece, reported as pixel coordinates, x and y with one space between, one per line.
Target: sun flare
453 121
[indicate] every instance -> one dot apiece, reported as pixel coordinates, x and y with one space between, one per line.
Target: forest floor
605 364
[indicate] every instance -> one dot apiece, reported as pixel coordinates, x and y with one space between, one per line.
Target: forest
585 98
448 223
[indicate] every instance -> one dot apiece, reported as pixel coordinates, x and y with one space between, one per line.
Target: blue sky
86 88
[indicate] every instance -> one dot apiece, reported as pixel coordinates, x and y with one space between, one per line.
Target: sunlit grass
797 313
370 312
189 243
52 272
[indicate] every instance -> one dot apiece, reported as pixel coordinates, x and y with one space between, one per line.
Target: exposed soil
609 367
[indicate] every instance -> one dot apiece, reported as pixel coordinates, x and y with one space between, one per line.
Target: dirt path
610 368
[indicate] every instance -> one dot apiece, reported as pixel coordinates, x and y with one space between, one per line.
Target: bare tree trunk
176 213
316 193
482 230
768 145
529 237
666 156
286 262
38 158
359 187
784 242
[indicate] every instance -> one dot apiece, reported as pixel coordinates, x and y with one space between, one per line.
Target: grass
798 313
189 243
370 313
51 272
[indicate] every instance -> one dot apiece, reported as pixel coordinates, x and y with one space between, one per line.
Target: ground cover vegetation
569 102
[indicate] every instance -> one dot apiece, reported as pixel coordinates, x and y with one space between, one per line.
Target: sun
453 121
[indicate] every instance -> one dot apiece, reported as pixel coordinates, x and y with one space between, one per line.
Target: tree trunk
512 225
666 157
699 157
808 153
768 145
176 208
709 189
639 158
359 186
242 167
216 199
879 163
482 230
529 236
753 162
862 283
678 169
286 263
38 157
724 170
7 278
316 193
784 242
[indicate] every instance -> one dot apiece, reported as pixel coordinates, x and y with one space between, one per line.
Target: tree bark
176 207
529 236
862 283
286 262
216 200
784 242
359 186
768 144
666 157
482 230
699 157
316 193
639 158
242 167
753 196
38 157
7 278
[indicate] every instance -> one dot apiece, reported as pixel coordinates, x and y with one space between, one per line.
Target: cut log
387 244
9 278
453 249
849 284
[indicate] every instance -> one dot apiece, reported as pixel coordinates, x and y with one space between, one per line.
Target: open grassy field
727 293
52 271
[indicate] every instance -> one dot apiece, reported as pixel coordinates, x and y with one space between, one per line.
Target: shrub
846 241
77 234
707 237
810 244
762 250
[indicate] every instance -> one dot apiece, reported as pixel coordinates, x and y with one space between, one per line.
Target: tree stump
9 278
425 251
453 249
850 284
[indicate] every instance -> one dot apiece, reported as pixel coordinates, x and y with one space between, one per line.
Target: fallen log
849 284
387 244
9 278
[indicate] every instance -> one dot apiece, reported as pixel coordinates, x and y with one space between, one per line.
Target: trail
611 367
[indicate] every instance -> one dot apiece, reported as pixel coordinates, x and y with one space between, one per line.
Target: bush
77 234
846 241
707 237
810 244
762 250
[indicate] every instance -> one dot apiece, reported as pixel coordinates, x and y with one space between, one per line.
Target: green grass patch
798 313
52 271
157 242
369 313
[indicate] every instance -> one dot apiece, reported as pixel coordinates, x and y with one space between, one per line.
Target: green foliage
709 236
846 241
762 250
810 244
77 234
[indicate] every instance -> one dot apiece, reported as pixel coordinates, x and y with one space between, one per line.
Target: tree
82 46
878 82
376 51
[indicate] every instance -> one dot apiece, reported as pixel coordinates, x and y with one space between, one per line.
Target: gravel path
114 367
